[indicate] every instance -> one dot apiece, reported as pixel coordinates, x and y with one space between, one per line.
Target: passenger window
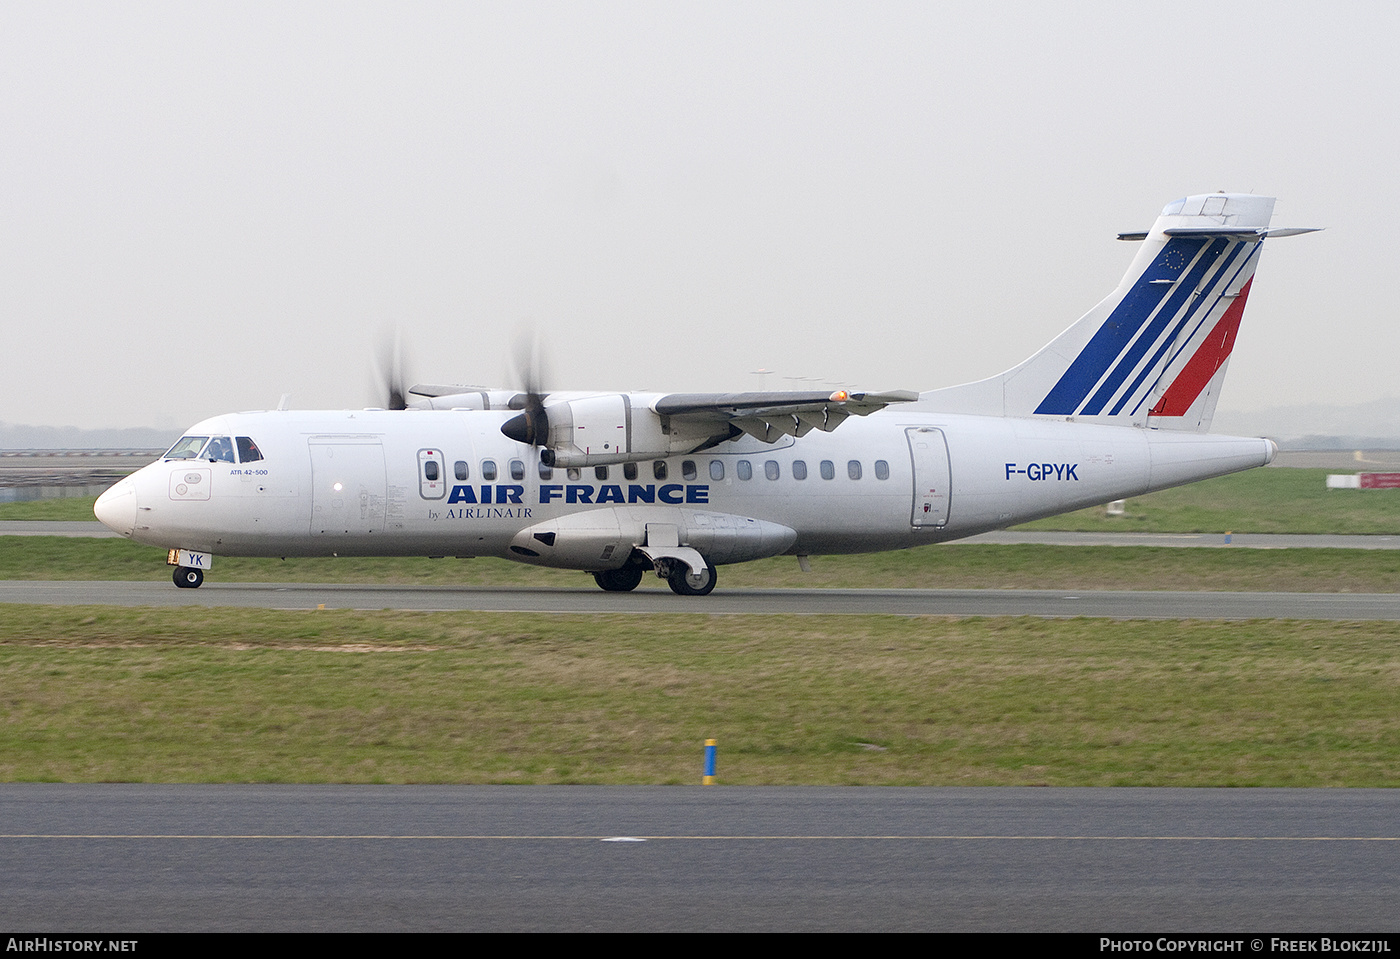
430 470
545 470
658 469
882 470
744 469
853 469
629 471
600 472
799 469
574 474
219 450
828 469
459 470
488 470
517 469
688 470
770 469
248 451
716 469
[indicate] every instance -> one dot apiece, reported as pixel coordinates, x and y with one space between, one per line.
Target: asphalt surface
132 858
150 858
898 602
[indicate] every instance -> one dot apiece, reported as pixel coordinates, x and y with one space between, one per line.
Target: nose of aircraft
116 508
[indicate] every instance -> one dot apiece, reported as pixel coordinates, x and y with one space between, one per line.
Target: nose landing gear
188 578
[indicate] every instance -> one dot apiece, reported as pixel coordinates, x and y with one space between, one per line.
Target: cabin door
928 448
347 485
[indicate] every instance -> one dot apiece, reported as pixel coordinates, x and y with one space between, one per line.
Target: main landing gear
188 578
676 573
619 580
685 583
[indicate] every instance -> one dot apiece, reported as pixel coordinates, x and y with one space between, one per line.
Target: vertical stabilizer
1154 352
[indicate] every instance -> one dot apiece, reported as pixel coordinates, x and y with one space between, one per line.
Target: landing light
337 487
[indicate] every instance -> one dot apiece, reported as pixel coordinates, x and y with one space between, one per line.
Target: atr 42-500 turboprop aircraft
619 483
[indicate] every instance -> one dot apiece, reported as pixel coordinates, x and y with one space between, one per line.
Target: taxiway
1141 604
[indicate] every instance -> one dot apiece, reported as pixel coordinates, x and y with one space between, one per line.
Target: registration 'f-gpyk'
617 484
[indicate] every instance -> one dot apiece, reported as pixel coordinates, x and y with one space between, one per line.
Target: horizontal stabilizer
1228 232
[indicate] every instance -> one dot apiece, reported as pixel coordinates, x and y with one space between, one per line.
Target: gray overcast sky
206 205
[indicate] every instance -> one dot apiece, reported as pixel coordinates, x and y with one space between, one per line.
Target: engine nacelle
616 428
463 399
600 539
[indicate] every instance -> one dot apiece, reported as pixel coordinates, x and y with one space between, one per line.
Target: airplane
621 484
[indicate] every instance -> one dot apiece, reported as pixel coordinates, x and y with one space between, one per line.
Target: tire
187 578
622 580
684 583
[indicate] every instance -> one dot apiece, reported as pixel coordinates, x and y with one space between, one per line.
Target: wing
770 416
603 428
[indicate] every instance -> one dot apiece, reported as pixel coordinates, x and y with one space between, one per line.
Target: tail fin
1154 352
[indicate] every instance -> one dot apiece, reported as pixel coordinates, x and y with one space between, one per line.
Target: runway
821 602
117 858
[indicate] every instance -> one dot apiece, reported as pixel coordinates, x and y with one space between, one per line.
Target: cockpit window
248 451
219 450
188 448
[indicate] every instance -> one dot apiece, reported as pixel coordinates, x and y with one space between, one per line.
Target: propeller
389 369
531 426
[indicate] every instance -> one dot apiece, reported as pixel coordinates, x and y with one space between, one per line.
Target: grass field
77 508
928 567
97 694
1258 501
195 695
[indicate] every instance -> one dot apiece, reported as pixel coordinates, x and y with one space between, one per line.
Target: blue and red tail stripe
1247 264
1180 298
1199 314
1155 310
1202 367
1114 335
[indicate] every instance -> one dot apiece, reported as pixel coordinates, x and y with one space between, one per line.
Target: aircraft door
347 486
432 481
928 449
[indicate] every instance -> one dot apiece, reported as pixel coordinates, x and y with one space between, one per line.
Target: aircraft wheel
685 583
619 580
187 578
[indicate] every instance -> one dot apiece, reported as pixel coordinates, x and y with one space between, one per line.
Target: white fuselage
358 483
1115 406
